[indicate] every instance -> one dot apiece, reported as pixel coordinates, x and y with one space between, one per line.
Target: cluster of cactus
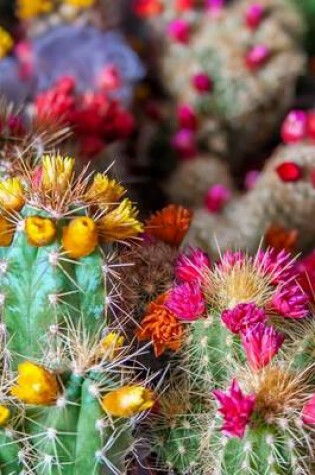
247 346
70 395
238 69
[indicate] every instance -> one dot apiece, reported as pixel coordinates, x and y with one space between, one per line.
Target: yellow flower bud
80 237
128 401
35 385
6 232
57 172
6 42
121 223
27 9
11 195
104 191
80 3
4 415
40 231
111 345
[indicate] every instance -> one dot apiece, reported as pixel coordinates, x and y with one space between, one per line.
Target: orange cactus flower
147 8
40 231
161 326
279 238
170 224
6 232
80 237
35 385
128 401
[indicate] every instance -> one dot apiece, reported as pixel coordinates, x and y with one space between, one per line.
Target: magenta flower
254 15
308 413
184 142
215 7
243 316
261 344
279 265
236 409
216 198
190 267
256 57
291 301
202 83
179 30
294 127
186 302
186 116
230 259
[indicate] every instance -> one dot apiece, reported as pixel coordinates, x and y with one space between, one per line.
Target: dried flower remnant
169 225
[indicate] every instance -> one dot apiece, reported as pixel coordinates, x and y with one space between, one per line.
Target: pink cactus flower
294 127
279 265
291 302
230 259
186 116
190 267
184 142
202 83
308 413
256 57
261 344
216 198
109 79
179 31
186 302
243 316
236 409
254 15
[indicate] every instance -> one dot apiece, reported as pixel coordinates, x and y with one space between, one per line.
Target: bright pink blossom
202 83
186 116
216 198
261 344
186 302
306 277
279 265
291 301
308 413
254 15
179 30
190 267
236 409
294 127
184 142
243 316
231 259
256 57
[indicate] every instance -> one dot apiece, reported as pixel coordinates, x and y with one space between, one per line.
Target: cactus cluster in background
70 397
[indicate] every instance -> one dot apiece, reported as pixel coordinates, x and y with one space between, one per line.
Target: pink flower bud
256 57
179 30
184 142
186 117
202 83
254 15
216 198
294 127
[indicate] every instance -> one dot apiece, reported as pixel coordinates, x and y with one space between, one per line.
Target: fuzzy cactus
283 195
68 401
240 353
238 68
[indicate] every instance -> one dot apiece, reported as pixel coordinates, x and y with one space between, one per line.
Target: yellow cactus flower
57 172
6 42
35 385
121 223
40 231
80 3
128 401
6 232
28 9
111 345
104 191
11 195
80 237
4 415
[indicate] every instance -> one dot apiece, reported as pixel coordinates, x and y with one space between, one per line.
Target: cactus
68 400
231 69
242 352
276 199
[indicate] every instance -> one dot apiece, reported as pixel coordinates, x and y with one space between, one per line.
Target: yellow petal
128 401
6 42
11 195
121 223
80 237
111 345
4 415
40 231
104 191
35 385
57 172
6 232
28 9
80 3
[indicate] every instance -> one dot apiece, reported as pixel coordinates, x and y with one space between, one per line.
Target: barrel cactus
245 318
68 401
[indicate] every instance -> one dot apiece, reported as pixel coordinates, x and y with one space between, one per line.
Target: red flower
236 409
289 172
147 8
